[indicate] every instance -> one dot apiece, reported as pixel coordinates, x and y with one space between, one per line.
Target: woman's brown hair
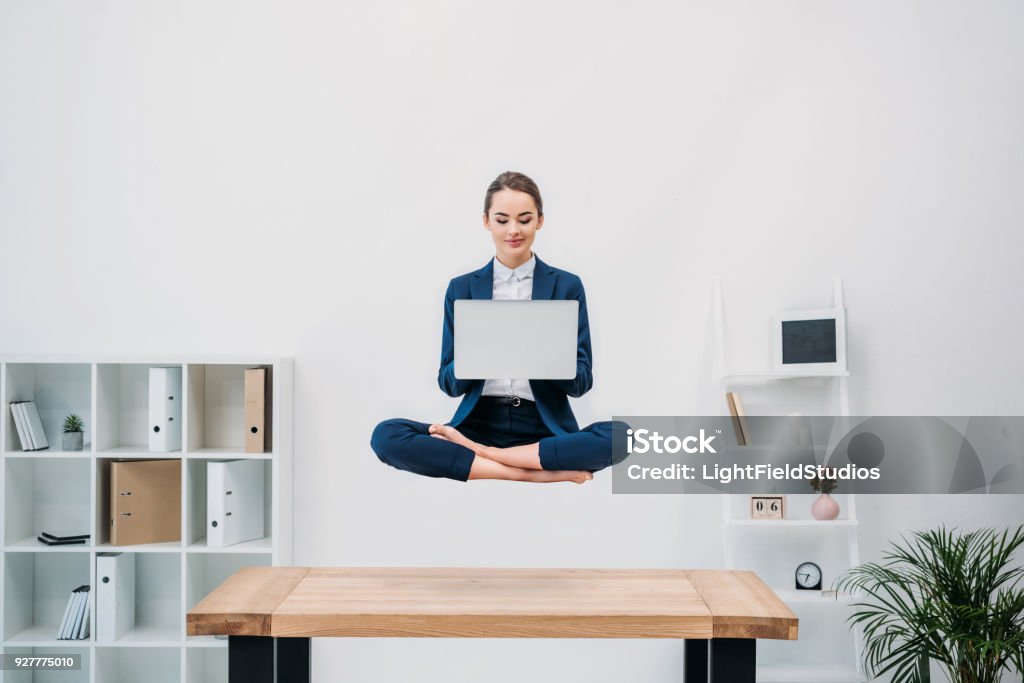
513 180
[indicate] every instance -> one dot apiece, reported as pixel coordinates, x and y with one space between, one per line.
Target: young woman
515 429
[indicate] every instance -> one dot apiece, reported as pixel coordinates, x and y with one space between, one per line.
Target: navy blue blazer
549 394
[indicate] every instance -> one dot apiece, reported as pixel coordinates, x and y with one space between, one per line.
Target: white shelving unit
65 491
773 548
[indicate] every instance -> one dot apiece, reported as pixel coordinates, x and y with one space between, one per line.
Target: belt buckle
515 401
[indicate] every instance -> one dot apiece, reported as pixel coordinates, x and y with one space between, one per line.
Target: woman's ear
540 222
486 227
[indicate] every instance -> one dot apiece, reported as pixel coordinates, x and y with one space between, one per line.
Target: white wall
303 178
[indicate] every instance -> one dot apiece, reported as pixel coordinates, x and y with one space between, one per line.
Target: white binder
115 595
164 409
234 501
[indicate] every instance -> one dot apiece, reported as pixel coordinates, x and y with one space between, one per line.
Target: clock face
808 575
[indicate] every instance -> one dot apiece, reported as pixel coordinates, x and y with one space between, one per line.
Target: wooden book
739 419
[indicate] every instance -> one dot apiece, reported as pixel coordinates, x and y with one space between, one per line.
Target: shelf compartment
205 571
206 664
131 664
195 509
774 557
215 407
102 536
80 675
814 658
36 590
31 544
58 390
122 410
798 511
755 376
793 522
223 453
792 595
157 600
45 494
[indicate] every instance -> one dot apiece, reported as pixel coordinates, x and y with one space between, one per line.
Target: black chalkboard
809 341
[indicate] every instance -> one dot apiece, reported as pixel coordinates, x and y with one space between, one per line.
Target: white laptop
515 339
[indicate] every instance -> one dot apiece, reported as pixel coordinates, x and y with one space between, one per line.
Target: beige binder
145 501
257 410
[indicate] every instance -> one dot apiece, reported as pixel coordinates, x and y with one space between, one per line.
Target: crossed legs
410 445
516 463
467 452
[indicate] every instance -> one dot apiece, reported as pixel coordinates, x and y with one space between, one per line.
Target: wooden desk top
493 603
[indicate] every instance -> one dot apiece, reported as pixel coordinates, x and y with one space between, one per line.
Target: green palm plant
955 598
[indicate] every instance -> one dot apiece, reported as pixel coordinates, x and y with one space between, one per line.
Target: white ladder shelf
735 525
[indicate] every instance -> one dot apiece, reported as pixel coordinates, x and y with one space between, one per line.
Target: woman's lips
513 243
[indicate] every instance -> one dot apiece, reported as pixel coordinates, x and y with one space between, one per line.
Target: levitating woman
515 429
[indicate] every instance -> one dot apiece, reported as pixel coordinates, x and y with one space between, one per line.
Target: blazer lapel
481 285
543 280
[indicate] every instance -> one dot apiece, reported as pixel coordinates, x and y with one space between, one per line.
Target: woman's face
513 223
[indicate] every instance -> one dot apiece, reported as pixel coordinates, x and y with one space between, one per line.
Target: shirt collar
523 272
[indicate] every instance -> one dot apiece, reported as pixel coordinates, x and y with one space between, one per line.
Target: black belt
514 401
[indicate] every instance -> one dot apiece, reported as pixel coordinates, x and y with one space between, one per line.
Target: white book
83 627
79 614
234 501
65 632
164 409
19 422
35 425
67 611
115 595
70 616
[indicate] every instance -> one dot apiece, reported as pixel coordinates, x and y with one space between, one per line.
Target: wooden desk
270 613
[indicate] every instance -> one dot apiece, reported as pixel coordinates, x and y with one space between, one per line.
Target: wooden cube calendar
767 507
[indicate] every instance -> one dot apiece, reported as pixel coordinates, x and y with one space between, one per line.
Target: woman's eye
524 222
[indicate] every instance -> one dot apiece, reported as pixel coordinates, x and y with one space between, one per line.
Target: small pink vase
825 507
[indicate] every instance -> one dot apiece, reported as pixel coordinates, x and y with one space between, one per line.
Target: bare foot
548 476
455 436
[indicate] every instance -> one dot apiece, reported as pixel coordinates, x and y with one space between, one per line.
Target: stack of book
30 428
75 624
58 539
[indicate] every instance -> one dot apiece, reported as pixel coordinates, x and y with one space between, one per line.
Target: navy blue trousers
407 445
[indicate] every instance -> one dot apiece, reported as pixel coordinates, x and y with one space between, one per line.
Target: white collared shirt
515 285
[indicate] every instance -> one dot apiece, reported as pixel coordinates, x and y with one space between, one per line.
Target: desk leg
733 660
252 659
695 661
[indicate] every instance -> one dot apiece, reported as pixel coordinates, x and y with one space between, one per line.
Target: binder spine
216 505
164 409
256 422
115 595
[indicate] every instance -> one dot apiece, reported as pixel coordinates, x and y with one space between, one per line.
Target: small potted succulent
72 437
825 506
